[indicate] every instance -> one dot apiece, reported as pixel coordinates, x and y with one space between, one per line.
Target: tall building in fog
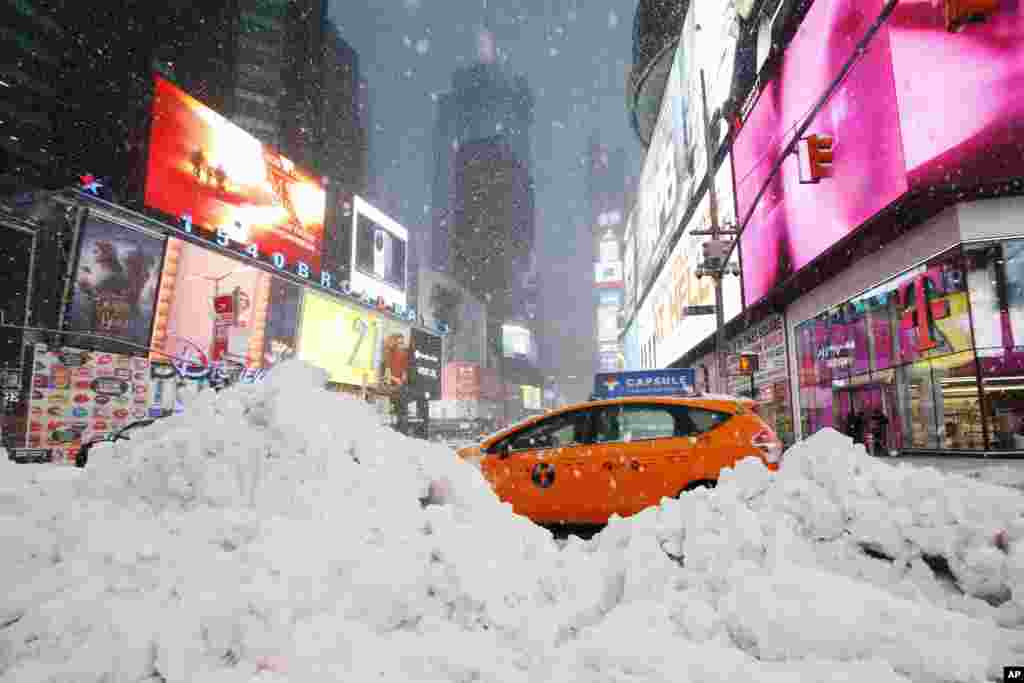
483 211
606 194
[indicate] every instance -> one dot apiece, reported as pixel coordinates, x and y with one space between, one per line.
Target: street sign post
699 310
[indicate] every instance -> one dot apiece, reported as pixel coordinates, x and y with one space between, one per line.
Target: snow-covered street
274 532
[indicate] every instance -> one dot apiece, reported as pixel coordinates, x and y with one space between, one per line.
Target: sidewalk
1004 471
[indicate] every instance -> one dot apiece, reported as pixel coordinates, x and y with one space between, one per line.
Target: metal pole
713 210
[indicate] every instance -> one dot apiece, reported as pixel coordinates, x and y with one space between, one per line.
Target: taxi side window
561 430
633 422
705 420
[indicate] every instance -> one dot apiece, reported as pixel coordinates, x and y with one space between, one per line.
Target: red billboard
922 107
215 178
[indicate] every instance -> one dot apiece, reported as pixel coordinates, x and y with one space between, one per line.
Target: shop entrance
877 423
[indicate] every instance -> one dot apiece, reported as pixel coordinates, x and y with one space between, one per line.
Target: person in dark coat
855 425
880 429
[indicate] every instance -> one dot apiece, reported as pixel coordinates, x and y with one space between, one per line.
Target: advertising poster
678 286
531 397
393 370
425 364
794 223
193 328
115 285
80 395
379 254
518 342
608 274
281 331
341 338
231 185
973 77
462 381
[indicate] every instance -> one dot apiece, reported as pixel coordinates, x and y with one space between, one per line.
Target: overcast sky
575 56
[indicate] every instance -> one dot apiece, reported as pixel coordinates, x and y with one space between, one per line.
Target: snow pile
276 532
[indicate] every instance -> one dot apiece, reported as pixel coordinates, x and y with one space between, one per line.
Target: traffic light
747 364
960 12
818 149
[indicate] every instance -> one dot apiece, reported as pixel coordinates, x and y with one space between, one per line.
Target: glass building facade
926 361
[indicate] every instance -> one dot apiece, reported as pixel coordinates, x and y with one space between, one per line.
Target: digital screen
230 185
973 77
425 364
345 340
115 284
188 328
379 254
794 223
517 342
677 286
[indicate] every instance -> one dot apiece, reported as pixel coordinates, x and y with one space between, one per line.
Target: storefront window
1002 373
894 368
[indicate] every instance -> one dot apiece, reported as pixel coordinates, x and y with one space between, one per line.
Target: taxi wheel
698 484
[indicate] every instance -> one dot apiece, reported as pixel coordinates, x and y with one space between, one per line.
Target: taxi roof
721 402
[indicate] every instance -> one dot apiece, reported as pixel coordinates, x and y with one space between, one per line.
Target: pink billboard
961 112
921 107
794 222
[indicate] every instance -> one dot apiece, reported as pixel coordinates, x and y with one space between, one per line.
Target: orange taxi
583 463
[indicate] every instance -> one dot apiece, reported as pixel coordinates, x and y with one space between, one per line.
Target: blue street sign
667 382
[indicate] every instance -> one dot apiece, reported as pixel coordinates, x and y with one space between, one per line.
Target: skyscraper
484 208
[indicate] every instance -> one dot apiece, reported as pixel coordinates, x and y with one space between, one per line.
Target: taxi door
646 452
537 469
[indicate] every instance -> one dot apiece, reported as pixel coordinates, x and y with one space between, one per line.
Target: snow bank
275 532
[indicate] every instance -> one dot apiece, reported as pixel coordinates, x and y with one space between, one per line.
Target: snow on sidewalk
276 532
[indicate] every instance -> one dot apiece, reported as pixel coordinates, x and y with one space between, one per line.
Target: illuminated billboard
425 364
115 284
517 342
678 286
218 181
462 381
343 340
676 160
354 345
379 254
211 307
794 222
961 115
922 107
608 274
